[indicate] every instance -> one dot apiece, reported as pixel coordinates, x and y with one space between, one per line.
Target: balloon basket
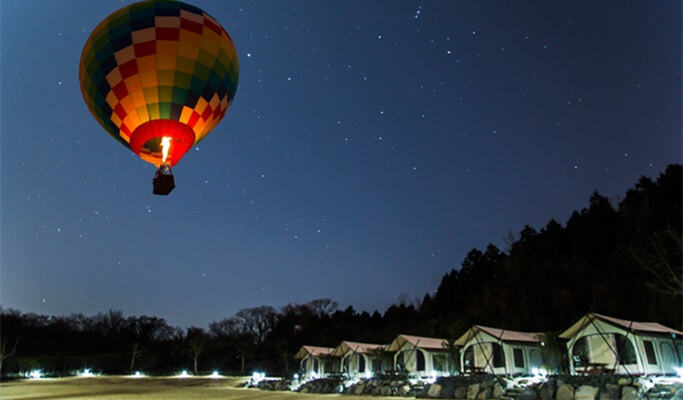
163 181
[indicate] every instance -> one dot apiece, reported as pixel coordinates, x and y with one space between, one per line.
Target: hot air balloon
159 75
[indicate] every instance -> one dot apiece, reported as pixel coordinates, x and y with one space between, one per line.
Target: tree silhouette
196 341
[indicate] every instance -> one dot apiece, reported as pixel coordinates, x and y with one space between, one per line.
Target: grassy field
119 388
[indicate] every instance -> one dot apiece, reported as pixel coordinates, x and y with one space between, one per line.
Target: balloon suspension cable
163 182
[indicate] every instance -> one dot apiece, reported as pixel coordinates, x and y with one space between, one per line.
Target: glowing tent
159 75
603 343
421 356
316 361
500 351
363 359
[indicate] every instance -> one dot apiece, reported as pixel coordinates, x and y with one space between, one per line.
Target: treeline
623 261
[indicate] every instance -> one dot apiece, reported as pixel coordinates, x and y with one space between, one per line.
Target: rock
403 390
546 390
507 383
610 392
485 394
624 381
359 389
564 392
629 393
460 392
434 391
448 388
498 390
472 391
369 389
585 392
386 390
612 387
662 392
527 393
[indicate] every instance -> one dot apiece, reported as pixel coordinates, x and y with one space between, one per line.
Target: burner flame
165 147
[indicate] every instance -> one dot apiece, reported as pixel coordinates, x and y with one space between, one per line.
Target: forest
622 260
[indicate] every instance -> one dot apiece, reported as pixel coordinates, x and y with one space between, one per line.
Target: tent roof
503 335
417 341
313 351
645 327
346 347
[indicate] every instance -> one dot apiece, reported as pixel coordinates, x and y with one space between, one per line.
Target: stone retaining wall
488 387
599 387
325 385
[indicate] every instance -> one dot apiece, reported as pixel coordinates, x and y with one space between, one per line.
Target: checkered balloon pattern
155 69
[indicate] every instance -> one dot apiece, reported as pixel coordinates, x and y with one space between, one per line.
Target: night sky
370 146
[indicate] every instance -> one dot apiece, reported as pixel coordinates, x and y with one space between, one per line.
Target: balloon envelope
158 69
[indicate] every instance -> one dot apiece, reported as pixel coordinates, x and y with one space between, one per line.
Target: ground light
137 374
646 383
295 383
258 376
215 375
183 374
35 374
539 375
86 373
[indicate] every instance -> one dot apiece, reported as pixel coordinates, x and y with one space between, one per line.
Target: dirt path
124 388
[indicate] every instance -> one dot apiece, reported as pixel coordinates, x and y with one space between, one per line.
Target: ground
123 388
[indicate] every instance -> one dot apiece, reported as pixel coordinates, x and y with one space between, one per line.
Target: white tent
421 356
316 361
598 342
499 351
361 359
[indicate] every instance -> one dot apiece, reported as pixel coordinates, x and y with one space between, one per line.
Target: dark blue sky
370 146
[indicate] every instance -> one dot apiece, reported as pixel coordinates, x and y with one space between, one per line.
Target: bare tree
136 352
233 332
245 330
323 307
282 349
509 239
110 323
257 321
143 330
196 339
403 299
5 351
660 258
